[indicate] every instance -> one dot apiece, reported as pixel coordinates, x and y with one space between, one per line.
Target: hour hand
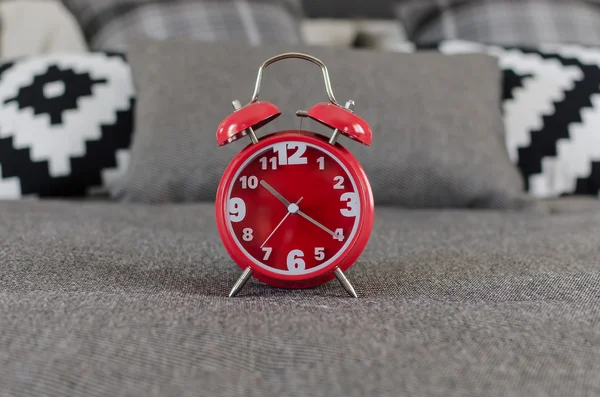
275 193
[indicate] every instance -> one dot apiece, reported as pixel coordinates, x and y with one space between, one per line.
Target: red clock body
293 208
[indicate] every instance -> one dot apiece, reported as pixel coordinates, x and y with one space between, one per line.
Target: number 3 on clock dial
286 242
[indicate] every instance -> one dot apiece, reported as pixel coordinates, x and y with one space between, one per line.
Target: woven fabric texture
438 136
110 24
504 22
129 300
551 111
65 124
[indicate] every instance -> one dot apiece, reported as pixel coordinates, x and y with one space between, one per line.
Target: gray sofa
130 300
486 292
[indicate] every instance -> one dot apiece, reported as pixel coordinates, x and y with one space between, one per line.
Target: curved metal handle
297 55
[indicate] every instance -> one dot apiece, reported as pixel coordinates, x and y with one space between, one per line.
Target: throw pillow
501 22
372 9
36 27
65 124
109 24
438 133
551 102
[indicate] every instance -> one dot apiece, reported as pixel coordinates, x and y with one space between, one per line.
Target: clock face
293 208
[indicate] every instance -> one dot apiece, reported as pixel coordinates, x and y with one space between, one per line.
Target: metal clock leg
239 284
344 281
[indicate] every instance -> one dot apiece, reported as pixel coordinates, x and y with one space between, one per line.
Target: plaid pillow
379 9
503 22
109 24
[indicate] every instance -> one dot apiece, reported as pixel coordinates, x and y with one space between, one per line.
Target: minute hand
314 222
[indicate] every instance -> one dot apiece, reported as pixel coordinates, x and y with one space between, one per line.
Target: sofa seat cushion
451 303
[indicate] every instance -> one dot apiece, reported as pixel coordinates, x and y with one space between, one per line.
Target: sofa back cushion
109 24
502 22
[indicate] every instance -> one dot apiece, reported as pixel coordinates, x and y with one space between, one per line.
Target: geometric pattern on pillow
110 24
65 124
551 110
551 113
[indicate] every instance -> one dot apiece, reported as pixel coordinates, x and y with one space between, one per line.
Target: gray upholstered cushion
438 131
380 9
504 22
129 300
108 24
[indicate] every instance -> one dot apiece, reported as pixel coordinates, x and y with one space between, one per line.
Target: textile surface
551 111
110 24
130 300
504 22
65 124
437 135
36 27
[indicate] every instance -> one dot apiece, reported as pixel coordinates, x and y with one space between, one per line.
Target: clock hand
291 210
297 210
314 222
275 193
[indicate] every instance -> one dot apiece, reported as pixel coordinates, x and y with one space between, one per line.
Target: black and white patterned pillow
551 110
66 123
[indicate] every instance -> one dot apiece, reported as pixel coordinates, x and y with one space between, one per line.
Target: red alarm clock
294 208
